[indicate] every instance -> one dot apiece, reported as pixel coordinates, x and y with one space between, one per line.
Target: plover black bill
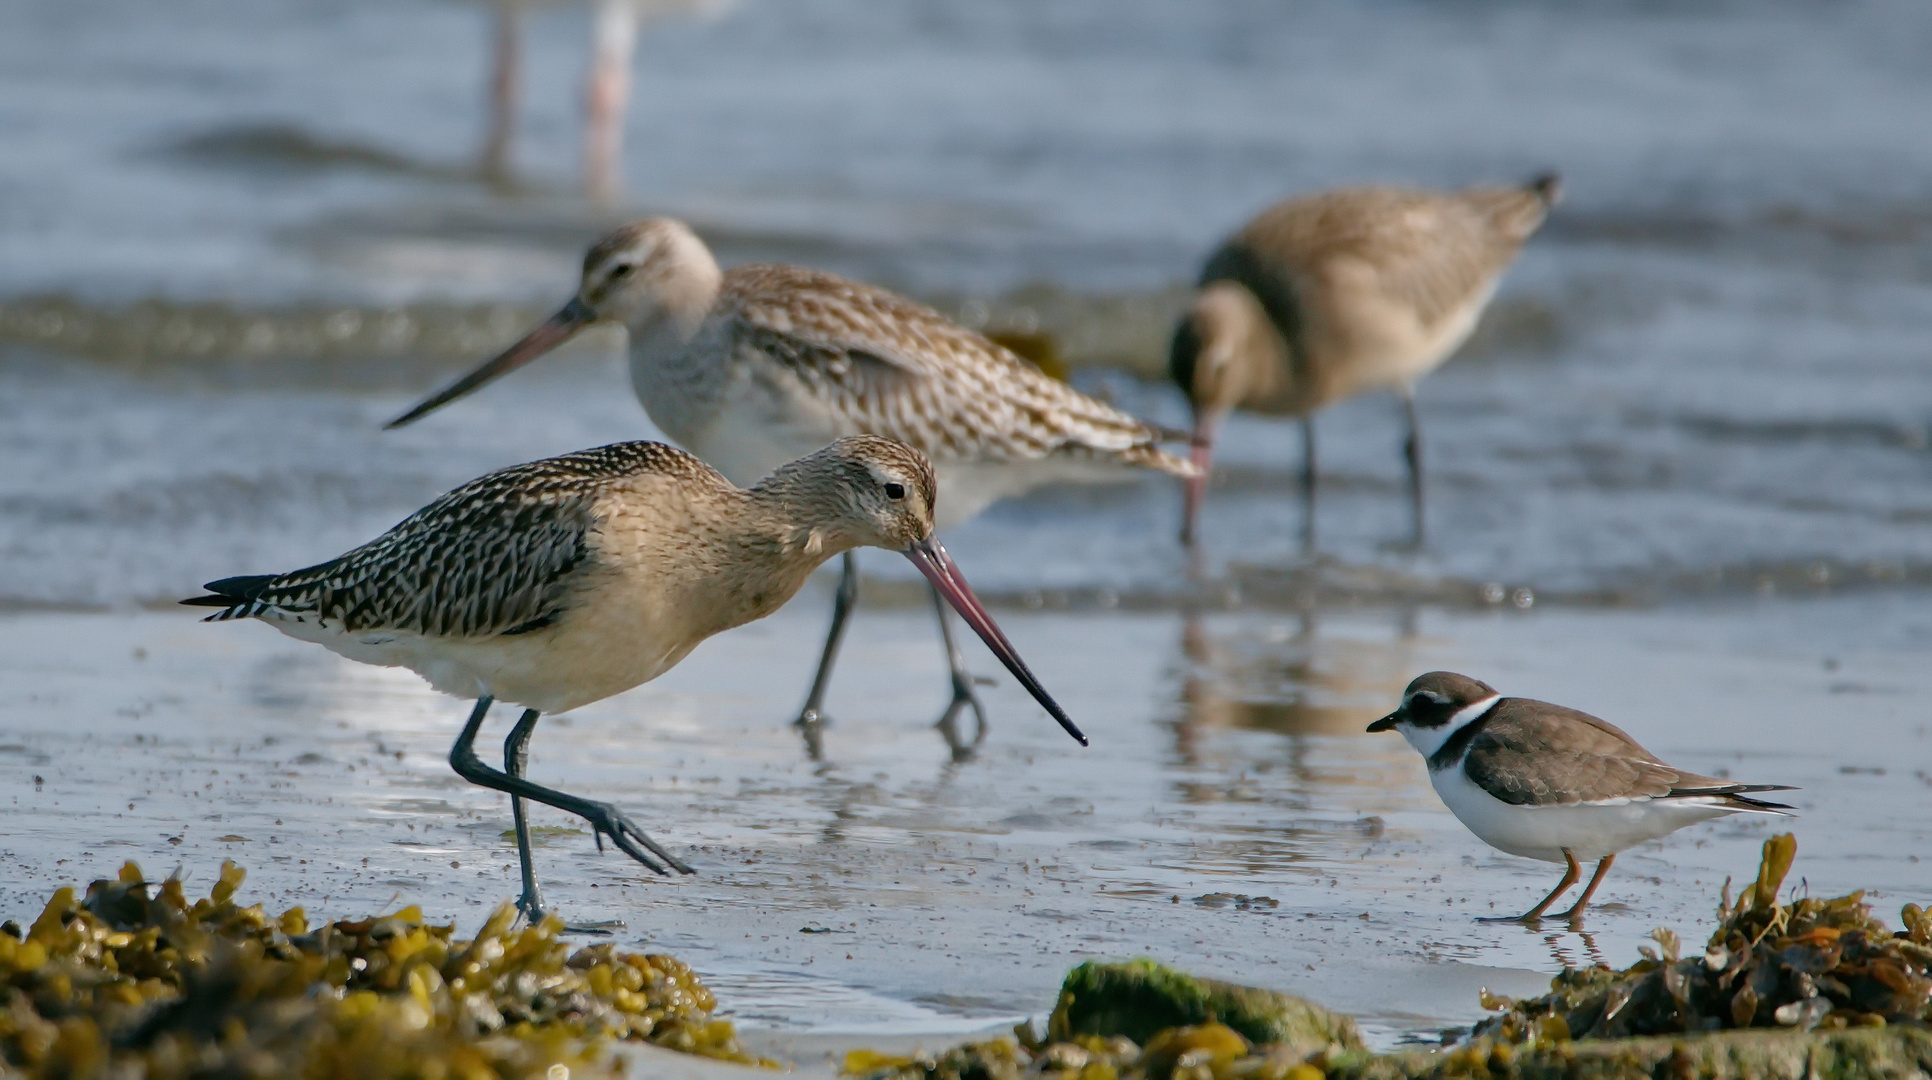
1550 783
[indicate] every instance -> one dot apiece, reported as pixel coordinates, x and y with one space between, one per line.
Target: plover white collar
1550 783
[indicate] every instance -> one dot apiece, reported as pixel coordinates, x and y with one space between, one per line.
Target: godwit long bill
558 583
754 366
1323 297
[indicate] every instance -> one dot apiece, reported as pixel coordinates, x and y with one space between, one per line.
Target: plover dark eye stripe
1551 783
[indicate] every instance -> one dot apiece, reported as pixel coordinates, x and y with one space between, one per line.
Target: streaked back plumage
885 365
494 556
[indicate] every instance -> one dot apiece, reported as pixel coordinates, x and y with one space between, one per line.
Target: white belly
594 653
1590 830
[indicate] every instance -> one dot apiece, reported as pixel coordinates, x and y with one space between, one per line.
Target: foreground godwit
1545 782
755 366
1323 297
564 581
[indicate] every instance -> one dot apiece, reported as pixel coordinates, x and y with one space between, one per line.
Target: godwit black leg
1589 890
1570 873
605 819
1413 451
810 719
1308 482
516 755
963 694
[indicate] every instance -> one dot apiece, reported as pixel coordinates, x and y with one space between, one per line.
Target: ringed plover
1545 782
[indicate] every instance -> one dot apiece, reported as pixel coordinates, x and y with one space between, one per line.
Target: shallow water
1679 480
1230 816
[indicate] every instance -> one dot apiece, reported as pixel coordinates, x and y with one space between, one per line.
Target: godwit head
655 277
1225 353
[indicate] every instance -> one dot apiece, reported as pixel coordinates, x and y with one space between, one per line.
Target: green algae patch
1141 998
1142 1020
135 980
1210 1051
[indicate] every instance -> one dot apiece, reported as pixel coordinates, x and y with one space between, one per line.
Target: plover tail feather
1735 797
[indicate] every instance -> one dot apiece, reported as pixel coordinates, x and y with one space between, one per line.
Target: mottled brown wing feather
1431 251
1531 753
902 370
494 556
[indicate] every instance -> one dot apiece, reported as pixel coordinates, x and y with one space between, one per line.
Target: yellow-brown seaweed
135 980
1809 963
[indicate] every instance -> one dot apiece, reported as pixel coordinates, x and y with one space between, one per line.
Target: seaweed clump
1142 1020
1210 1051
135 980
1802 965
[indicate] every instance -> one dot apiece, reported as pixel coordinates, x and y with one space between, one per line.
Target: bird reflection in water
1562 954
1295 682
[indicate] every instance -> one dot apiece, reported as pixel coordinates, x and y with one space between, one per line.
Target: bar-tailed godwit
1323 297
752 367
561 582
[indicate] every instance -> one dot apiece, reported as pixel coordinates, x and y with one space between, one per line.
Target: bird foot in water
607 820
811 725
963 698
531 908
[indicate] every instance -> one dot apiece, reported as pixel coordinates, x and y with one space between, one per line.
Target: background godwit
1323 297
558 583
760 364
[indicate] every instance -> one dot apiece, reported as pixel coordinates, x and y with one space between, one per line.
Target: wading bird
755 366
561 582
1550 783
1323 297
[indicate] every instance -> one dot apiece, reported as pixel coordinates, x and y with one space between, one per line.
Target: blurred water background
236 237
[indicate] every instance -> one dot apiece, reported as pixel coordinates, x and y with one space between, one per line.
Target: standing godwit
558 583
1323 297
757 365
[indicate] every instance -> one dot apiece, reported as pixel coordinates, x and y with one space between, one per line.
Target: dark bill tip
932 561
553 332
1387 722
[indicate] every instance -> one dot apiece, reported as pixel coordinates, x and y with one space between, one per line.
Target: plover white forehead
1550 783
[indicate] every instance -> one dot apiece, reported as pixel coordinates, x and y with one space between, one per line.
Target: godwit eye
895 491
620 270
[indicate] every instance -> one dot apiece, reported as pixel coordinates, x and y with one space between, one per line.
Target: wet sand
890 891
